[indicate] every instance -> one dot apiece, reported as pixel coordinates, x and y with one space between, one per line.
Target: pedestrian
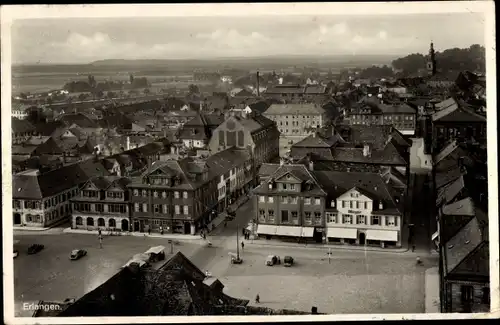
243 232
99 231
257 298
242 245
149 230
161 230
100 241
413 247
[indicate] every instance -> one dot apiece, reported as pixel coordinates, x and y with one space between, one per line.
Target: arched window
112 223
100 222
79 221
90 221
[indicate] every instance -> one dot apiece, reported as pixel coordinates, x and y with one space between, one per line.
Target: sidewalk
274 243
432 303
136 234
222 216
29 228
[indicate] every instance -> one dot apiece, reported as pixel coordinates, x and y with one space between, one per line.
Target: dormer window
332 203
270 185
380 205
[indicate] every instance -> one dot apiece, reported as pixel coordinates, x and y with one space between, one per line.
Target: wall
456 304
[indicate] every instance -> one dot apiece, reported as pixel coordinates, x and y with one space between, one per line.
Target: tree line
92 86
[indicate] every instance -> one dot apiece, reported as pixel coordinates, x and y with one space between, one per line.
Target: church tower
431 63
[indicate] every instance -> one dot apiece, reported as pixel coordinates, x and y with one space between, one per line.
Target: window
156 208
100 222
284 199
307 200
292 187
177 209
351 204
486 296
317 217
295 215
284 186
366 205
307 217
375 220
293 200
144 207
317 201
144 193
186 210
136 207
354 194
99 207
185 195
347 219
467 293
344 203
270 199
79 221
361 220
90 221
176 194
165 208
331 217
262 199
262 214
155 194
332 203
164 194
270 213
284 216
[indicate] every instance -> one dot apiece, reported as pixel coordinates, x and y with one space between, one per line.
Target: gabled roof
443 178
79 119
447 193
298 171
462 244
371 185
464 207
267 169
222 161
317 141
295 109
105 182
457 113
38 186
21 126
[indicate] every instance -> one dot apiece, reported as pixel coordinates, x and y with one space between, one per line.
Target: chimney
366 150
258 85
128 143
311 165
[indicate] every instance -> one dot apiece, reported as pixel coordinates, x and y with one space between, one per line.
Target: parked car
272 260
16 253
77 253
35 248
288 261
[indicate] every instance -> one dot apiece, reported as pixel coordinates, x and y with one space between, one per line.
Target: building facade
253 131
297 120
329 207
102 203
196 133
42 200
176 195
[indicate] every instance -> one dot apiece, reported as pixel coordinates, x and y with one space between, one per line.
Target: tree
193 89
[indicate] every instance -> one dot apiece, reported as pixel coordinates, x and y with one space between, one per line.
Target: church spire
431 63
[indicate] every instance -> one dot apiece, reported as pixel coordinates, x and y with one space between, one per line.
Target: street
351 282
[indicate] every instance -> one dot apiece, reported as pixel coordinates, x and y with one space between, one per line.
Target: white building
20 112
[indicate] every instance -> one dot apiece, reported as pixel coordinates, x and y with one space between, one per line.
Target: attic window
450 246
467 241
288 176
332 203
381 205
271 185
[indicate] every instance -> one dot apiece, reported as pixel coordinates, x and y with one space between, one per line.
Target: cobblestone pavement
51 275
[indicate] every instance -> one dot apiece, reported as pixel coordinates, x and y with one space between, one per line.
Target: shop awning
346 233
267 229
307 231
435 235
383 235
289 231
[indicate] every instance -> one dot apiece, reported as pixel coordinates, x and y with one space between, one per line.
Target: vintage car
77 254
35 248
272 260
288 261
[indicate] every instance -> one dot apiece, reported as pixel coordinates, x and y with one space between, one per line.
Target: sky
83 40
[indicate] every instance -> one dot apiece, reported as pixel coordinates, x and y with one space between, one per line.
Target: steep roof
317 141
449 192
21 126
79 119
38 186
464 207
460 246
457 113
222 161
443 178
295 109
296 170
371 184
